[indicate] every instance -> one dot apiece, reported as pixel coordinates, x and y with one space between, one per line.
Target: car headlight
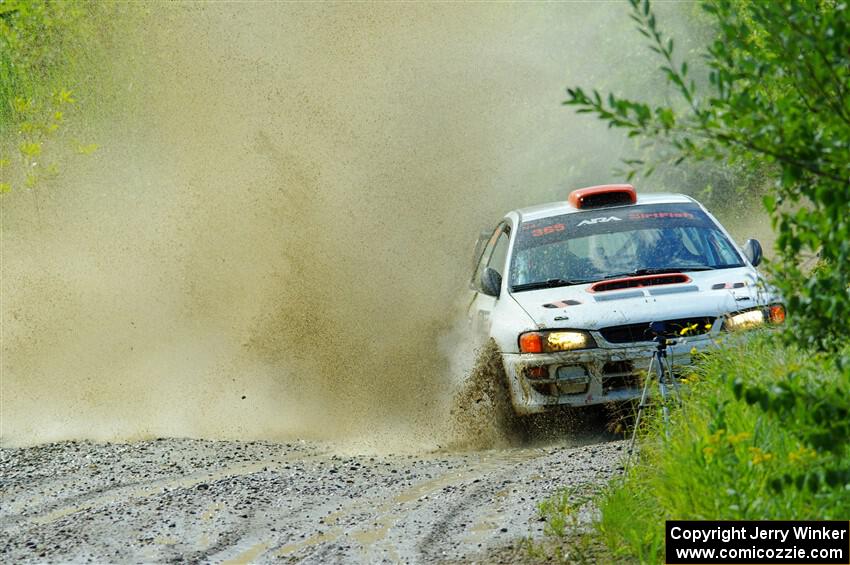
745 320
547 342
775 314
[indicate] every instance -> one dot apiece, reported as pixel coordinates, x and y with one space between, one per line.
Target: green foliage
28 164
558 512
569 540
44 49
763 434
777 101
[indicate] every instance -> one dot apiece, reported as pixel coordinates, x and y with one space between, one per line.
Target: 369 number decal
547 230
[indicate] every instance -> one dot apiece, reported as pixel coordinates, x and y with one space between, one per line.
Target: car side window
500 253
496 246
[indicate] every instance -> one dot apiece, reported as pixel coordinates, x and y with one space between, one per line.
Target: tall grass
763 434
734 455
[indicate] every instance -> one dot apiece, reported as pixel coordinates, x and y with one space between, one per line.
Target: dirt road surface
236 502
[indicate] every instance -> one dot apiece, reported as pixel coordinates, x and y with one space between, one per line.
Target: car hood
587 306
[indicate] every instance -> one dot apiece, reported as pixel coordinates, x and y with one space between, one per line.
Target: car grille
630 333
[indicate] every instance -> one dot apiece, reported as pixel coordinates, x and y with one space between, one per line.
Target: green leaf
30 148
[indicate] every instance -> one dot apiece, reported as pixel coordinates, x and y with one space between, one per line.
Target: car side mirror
752 249
491 282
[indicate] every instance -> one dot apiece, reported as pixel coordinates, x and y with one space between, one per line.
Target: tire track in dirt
237 502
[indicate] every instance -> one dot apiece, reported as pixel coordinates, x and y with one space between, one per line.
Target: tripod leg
640 411
676 387
665 410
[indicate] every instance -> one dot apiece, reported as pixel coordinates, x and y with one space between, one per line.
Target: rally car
568 290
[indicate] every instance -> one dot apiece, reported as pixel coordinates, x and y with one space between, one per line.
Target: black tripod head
658 331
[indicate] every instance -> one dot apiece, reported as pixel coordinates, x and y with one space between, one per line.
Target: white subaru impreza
567 292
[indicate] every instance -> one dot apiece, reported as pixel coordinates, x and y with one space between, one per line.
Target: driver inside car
668 249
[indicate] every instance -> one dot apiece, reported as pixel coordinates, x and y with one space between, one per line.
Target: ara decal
600 220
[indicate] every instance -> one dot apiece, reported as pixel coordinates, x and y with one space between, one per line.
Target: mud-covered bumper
592 376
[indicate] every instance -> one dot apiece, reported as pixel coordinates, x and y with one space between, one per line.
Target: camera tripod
661 371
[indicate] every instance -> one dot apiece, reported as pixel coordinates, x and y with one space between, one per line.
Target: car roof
557 208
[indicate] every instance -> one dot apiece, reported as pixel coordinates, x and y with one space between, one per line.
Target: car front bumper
611 374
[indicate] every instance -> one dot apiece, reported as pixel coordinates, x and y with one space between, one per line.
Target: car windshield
613 242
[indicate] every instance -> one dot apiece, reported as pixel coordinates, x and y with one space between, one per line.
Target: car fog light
537 372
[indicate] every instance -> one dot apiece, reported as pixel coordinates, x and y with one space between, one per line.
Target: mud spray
273 238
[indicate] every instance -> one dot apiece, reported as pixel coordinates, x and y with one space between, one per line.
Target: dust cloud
273 240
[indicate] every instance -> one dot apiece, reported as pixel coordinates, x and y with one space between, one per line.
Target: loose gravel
236 502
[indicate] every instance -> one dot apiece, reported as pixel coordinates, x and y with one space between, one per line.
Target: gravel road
235 502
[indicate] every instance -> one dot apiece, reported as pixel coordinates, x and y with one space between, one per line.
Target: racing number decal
547 230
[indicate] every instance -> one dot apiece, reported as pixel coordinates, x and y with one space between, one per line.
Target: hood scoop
639 282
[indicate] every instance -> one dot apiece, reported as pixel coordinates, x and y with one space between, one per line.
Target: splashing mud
271 240
482 415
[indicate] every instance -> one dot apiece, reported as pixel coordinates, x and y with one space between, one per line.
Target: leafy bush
778 95
43 45
763 434
45 48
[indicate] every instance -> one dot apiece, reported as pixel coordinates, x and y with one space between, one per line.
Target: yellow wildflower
30 149
802 454
738 438
691 378
65 97
760 456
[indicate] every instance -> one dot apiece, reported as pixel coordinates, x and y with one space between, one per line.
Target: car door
494 256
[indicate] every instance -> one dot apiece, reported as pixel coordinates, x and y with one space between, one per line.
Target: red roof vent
603 195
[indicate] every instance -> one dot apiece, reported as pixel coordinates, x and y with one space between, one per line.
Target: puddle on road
368 537
249 555
331 535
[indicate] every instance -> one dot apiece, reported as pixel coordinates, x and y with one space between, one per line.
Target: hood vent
619 296
634 282
673 290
